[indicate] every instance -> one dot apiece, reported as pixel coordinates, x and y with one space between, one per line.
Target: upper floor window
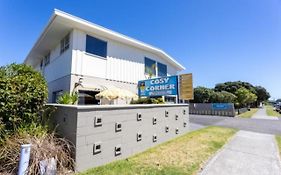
162 69
96 46
47 59
150 67
41 64
64 44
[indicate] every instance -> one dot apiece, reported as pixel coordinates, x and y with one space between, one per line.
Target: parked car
278 107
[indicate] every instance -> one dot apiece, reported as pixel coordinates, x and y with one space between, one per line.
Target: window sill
97 56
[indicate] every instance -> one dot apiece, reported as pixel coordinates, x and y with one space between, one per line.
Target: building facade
74 54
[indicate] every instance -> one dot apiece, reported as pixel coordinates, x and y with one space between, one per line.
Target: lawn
248 114
271 112
278 139
183 155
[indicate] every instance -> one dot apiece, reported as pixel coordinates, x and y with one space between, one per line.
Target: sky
216 40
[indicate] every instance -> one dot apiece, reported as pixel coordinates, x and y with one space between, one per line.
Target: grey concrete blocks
154 138
166 113
98 121
167 128
154 120
139 117
177 130
139 136
176 117
97 147
118 127
102 135
118 150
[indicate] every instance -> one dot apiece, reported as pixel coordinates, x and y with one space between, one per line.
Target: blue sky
216 40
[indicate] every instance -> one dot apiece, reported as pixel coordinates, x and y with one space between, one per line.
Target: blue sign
158 86
221 106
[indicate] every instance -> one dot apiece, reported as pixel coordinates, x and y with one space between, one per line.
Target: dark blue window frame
96 46
162 69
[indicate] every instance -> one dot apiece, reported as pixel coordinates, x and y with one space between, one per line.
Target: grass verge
249 114
183 155
271 112
278 139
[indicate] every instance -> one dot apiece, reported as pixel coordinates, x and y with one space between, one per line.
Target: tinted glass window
47 59
64 44
96 46
150 66
162 69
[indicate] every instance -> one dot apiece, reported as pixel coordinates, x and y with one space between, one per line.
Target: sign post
186 87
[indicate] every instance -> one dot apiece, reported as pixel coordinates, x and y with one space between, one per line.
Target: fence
242 110
219 109
102 134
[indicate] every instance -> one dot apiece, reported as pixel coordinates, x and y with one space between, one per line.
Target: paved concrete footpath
247 153
261 114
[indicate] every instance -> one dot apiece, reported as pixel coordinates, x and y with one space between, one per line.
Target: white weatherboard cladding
60 64
123 62
83 63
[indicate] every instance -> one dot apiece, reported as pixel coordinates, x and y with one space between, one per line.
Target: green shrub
148 101
23 93
67 98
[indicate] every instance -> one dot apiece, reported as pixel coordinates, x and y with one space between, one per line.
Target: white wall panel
60 64
123 62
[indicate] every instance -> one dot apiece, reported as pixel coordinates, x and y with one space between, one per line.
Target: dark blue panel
162 69
150 66
96 46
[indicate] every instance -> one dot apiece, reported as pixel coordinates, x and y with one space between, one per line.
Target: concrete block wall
77 123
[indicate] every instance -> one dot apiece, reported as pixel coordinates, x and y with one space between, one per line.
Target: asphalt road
251 124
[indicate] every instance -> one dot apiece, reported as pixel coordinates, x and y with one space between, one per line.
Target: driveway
261 114
256 125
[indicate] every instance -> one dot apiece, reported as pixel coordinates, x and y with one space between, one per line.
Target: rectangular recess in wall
154 138
139 117
167 128
96 148
139 136
177 130
98 121
117 150
118 127
166 113
154 120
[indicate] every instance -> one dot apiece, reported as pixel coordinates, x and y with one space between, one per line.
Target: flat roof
62 22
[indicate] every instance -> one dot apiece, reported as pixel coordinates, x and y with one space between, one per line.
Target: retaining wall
102 134
219 109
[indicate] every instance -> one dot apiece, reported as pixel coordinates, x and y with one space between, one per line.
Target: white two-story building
73 53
